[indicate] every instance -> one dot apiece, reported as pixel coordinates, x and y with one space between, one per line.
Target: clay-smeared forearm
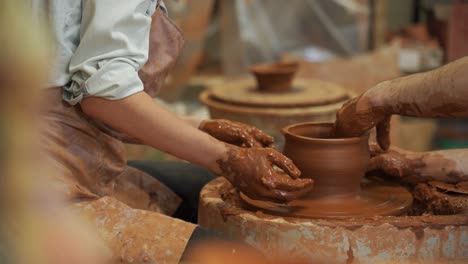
445 165
435 94
440 93
448 166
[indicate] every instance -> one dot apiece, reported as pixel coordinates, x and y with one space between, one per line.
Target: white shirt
100 45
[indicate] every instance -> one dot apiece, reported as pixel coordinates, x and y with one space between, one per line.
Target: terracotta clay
274 77
252 171
337 166
236 133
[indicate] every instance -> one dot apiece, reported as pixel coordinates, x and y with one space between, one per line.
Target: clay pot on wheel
337 165
275 77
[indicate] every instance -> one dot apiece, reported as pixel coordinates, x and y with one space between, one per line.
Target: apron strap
155 4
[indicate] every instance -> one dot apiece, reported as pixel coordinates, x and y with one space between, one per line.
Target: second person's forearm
443 165
439 93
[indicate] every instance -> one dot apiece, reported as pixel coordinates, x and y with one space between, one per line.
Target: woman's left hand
236 133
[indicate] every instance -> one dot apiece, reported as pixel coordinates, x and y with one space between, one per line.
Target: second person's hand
363 113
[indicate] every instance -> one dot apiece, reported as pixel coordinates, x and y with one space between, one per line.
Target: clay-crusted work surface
302 94
383 239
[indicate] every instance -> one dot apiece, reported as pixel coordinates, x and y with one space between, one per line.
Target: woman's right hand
253 171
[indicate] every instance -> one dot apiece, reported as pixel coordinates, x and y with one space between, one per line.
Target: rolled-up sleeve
114 45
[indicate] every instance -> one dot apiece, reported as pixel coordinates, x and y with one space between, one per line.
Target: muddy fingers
284 163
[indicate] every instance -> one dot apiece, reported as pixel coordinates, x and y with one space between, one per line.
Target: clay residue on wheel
438 198
230 205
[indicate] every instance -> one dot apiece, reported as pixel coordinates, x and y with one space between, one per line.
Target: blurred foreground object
36 227
216 252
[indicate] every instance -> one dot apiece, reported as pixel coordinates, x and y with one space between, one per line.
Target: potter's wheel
375 199
389 239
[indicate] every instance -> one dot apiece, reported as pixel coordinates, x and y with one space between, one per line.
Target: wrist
413 161
219 155
194 122
378 96
201 123
225 163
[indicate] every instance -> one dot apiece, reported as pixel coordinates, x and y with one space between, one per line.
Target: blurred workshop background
353 43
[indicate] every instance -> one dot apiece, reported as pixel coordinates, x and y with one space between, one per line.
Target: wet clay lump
337 166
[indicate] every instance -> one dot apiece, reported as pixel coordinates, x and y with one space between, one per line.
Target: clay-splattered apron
127 206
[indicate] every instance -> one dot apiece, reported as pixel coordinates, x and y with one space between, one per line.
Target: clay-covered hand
263 173
236 133
446 166
395 162
363 113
